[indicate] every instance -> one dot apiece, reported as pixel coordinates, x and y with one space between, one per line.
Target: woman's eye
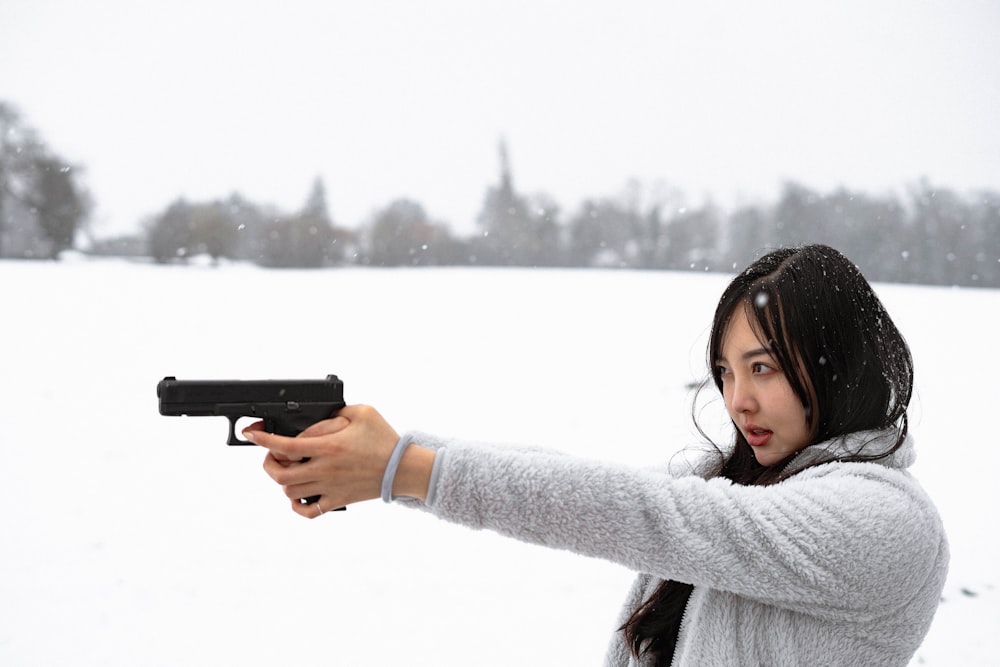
760 367
721 371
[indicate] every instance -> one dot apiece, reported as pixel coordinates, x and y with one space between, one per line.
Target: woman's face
759 399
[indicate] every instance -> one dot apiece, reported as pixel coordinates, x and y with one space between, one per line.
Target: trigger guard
234 440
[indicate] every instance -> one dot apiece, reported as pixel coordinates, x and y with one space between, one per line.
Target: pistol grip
315 499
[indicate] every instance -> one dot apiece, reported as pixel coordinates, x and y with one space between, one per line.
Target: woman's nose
743 398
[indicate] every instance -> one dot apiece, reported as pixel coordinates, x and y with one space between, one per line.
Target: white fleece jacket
841 564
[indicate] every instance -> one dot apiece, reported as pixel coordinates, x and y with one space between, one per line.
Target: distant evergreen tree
512 231
316 206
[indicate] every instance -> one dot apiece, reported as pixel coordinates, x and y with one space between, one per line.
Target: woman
804 541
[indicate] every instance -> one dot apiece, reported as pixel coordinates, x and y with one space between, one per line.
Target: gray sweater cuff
425 440
435 476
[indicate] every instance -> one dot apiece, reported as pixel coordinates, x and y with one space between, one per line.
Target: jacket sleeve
845 537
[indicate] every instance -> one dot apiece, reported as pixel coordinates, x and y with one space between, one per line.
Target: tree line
927 235
931 235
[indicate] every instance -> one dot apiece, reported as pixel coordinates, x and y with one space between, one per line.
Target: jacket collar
866 443
861 443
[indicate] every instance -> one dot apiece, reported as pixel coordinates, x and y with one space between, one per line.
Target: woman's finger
292 449
326 427
285 472
299 492
313 511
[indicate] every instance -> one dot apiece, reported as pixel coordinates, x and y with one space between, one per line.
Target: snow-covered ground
127 538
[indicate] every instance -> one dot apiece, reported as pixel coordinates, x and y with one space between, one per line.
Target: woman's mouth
757 437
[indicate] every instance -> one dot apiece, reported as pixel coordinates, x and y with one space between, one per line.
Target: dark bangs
769 316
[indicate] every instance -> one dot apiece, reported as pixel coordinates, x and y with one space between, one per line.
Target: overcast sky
392 98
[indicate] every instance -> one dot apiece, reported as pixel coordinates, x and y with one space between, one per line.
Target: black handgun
287 407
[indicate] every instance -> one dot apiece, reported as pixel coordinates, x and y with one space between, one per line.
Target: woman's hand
347 456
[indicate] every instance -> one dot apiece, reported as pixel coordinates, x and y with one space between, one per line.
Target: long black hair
842 356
